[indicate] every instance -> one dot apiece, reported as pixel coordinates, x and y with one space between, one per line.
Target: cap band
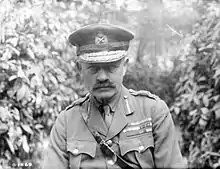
104 56
90 47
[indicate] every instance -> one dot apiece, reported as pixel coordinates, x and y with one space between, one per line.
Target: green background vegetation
175 55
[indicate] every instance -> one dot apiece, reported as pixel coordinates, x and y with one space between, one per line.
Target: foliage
197 105
149 76
38 78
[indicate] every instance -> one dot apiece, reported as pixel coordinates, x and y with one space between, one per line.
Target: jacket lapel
76 126
120 120
95 120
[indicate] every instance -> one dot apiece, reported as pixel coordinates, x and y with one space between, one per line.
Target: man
111 127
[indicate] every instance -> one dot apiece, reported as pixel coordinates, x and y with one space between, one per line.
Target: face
104 80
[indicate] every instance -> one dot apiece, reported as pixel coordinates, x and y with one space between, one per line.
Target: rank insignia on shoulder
78 101
144 93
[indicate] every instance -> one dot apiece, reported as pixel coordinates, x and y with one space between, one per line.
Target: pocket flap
136 143
82 146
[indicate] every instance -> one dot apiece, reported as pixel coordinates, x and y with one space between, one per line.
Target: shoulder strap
144 93
78 101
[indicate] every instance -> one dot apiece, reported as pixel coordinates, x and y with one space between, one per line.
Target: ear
125 65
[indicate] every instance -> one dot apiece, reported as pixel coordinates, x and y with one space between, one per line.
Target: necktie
107 115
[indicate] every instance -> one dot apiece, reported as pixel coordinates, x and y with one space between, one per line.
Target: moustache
103 85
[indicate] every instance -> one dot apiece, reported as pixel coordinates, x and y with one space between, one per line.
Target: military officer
111 127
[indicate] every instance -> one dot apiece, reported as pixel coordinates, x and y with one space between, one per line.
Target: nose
102 75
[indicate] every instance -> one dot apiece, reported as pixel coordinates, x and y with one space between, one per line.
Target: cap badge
101 39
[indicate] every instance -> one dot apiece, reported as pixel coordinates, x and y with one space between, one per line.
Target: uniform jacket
142 132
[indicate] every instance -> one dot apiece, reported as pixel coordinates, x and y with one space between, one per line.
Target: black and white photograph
109 84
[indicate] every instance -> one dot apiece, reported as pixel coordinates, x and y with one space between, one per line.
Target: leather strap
104 146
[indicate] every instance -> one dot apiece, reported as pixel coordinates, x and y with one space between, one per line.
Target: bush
141 76
197 105
38 78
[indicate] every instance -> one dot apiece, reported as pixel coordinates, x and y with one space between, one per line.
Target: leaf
215 98
205 100
13 41
49 62
217 113
217 73
177 110
16 114
4 114
35 70
3 128
27 93
216 109
13 49
216 106
20 73
12 77
186 96
10 145
191 113
27 129
203 87
30 53
18 130
6 55
215 34
35 81
25 144
27 115
203 78
196 100
204 110
39 126
21 92
11 93
53 79
38 101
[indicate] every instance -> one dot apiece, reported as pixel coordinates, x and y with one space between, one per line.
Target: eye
93 69
111 68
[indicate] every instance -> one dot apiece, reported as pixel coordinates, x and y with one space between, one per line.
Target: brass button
76 151
109 142
111 162
141 148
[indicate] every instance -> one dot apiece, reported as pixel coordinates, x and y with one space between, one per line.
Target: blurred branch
174 31
212 154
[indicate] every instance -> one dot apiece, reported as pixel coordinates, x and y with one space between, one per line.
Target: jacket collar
127 101
123 108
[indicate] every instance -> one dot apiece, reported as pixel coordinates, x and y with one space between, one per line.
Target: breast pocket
77 149
139 147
